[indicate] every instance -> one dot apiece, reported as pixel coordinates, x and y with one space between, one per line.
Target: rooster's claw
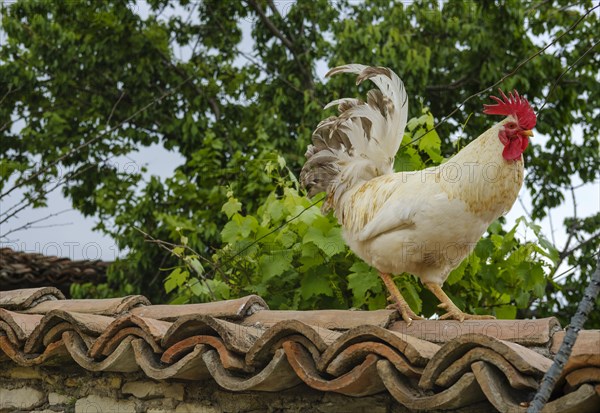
460 316
407 314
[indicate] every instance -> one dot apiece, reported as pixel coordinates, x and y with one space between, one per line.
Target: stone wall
53 390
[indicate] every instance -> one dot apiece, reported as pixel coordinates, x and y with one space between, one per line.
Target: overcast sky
70 234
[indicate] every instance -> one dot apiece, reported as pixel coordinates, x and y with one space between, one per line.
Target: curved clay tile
231 309
464 392
20 300
275 376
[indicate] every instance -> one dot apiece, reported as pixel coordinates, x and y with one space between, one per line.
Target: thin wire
564 73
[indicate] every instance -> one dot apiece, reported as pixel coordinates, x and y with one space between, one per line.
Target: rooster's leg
400 303
452 311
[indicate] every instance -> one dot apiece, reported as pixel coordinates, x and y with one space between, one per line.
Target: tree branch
18 207
564 73
271 26
286 41
112 111
565 254
30 224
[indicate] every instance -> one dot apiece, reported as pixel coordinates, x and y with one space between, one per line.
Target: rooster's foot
407 314
399 303
454 313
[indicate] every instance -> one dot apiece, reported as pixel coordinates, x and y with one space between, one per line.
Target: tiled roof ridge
244 346
21 269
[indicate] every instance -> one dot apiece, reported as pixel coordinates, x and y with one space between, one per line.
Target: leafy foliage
84 82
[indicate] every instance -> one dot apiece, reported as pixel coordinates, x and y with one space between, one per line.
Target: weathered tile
525 332
236 337
190 367
417 352
523 359
586 351
19 300
356 353
362 380
106 306
18 327
580 376
327 319
149 329
231 309
84 324
120 360
463 365
271 340
507 399
229 360
275 376
498 391
464 392
54 354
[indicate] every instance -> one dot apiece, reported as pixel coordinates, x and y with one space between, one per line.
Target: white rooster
419 222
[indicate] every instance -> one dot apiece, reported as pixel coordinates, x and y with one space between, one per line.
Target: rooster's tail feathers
361 142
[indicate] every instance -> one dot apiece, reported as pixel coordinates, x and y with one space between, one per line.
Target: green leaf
239 228
361 280
274 264
431 143
506 312
411 295
170 284
522 300
330 244
457 273
231 207
314 284
230 232
194 263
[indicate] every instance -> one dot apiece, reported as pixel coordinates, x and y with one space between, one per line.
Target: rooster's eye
511 125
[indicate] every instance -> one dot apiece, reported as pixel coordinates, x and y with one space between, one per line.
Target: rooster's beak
527 133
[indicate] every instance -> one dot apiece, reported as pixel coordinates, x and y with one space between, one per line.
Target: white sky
70 234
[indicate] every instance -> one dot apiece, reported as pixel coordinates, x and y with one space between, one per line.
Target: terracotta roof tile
19 269
190 367
243 346
19 300
329 319
51 327
274 376
464 392
234 309
18 327
362 380
525 332
105 306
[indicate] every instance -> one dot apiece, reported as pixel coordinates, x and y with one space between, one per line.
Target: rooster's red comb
514 105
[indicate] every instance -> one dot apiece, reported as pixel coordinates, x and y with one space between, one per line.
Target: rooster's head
515 133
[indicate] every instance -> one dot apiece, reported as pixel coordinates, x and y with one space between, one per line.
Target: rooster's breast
442 234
